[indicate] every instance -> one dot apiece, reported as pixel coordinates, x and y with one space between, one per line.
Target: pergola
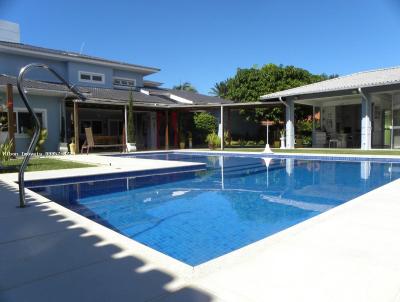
166 108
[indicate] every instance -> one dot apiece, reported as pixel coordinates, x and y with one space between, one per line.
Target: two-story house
107 85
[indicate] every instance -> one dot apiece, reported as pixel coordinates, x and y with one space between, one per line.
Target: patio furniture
334 142
101 141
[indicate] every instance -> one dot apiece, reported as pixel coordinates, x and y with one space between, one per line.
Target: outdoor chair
91 144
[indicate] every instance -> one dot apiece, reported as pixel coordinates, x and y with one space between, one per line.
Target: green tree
248 84
205 122
131 127
186 86
219 89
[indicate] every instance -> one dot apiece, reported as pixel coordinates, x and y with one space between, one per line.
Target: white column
222 128
290 124
365 123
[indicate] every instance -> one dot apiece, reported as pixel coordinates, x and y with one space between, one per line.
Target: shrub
205 122
304 126
307 140
5 151
42 139
213 140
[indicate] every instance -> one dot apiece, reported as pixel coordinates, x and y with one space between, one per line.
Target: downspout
283 102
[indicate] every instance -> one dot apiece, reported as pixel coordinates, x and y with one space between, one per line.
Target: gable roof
72 56
372 78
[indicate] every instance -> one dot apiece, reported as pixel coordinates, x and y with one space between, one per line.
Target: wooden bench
101 141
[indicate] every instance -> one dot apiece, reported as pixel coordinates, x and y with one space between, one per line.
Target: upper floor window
91 77
124 83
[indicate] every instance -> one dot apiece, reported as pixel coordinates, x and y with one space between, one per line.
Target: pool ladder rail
35 137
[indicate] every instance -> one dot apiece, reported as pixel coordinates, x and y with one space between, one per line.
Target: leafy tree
186 86
248 84
131 127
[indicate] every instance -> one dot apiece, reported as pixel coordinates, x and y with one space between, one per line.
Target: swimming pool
196 216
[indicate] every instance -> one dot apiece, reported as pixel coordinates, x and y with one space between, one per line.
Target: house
107 85
360 110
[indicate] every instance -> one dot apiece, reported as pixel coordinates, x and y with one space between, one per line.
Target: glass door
396 122
387 128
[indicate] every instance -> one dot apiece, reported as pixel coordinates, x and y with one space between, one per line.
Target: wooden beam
76 127
166 130
10 116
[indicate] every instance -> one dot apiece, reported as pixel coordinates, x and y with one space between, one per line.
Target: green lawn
321 151
41 164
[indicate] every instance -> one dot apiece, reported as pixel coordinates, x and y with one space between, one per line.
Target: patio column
365 122
166 130
10 116
76 127
222 128
290 124
125 126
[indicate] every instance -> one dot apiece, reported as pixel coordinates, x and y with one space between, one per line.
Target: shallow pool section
196 216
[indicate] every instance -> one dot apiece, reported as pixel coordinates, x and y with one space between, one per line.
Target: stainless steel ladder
32 145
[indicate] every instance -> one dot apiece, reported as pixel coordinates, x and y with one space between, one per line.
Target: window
91 77
23 121
124 83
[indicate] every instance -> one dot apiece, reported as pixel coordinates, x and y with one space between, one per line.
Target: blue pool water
197 216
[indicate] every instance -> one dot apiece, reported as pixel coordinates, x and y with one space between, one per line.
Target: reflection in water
197 216
365 170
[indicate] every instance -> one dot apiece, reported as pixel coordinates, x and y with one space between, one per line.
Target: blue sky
205 41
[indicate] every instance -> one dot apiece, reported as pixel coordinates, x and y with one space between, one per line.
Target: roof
372 78
194 97
74 56
149 83
198 98
92 93
117 96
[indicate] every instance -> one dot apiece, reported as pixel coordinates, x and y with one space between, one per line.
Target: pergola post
166 130
76 127
365 122
126 126
290 124
10 116
222 128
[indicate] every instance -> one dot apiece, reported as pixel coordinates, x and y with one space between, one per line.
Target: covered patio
361 110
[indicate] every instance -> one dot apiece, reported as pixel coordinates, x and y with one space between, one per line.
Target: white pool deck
49 253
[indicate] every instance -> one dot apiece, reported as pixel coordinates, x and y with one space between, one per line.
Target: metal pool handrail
35 138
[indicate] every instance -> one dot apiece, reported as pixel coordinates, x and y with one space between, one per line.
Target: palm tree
186 86
220 89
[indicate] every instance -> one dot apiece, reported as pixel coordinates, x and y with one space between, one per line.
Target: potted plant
130 144
62 146
182 140
283 138
72 146
213 140
190 139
